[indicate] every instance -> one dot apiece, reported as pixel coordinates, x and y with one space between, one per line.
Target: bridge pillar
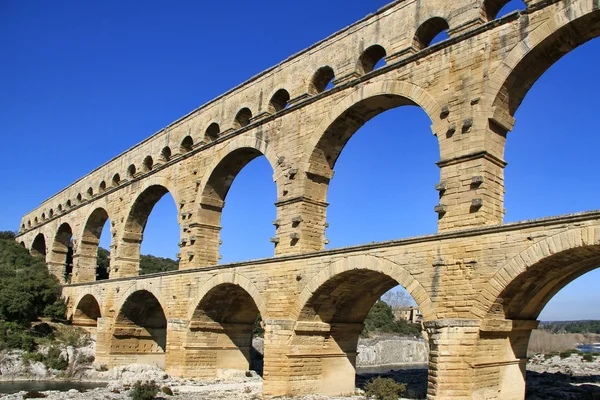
501 359
85 262
300 226
451 350
277 368
127 260
175 356
200 240
104 330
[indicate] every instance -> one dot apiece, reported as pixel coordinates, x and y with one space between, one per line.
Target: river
40 386
589 348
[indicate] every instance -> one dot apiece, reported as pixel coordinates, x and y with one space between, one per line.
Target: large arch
221 325
330 312
128 252
38 246
510 303
213 189
140 331
538 51
351 113
87 254
60 260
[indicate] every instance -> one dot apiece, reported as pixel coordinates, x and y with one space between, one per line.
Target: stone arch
541 269
330 312
165 154
233 279
130 238
87 311
222 319
370 57
491 8
147 163
247 147
140 330
351 113
428 30
116 180
187 144
138 286
60 260
87 254
320 79
213 131
279 101
38 246
242 118
388 269
537 52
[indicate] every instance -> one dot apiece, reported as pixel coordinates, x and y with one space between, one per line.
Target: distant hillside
590 326
148 264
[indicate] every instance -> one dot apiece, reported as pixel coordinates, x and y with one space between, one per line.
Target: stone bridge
480 283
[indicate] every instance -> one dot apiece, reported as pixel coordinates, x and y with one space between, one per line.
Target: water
589 348
40 386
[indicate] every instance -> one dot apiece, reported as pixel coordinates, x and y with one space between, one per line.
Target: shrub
384 389
54 359
588 357
167 390
567 353
73 336
35 357
144 390
34 395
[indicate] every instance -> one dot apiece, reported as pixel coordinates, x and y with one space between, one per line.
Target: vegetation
55 360
167 390
34 395
148 264
380 320
384 389
588 357
27 292
571 327
144 390
545 342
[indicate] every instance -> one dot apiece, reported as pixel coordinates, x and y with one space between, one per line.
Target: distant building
410 314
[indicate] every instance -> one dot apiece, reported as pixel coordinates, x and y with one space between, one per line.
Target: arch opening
160 239
140 330
430 32
371 58
165 153
131 170
213 131
90 192
221 328
187 145
94 262
61 257
341 310
494 9
116 180
242 118
51 213
380 146
245 227
279 101
38 247
148 163
102 187
520 303
87 313
322 80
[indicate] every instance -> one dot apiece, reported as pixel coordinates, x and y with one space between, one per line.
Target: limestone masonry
479 284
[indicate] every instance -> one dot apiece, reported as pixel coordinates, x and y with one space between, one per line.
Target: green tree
381 320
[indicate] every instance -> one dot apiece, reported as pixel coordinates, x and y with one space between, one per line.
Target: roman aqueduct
480 283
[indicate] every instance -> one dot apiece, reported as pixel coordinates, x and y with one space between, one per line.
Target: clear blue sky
83 81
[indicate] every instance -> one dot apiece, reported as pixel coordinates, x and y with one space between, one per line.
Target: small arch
51 213
87 312
165 153
148 163
116 180
38 247
79 197
131 171
213 130
279 101
43 216
69 204
493 9
60 208
35 220
23 243
321 80
102 187
29 224
186 144
428 31
370 57
90 192
22 226
242 118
